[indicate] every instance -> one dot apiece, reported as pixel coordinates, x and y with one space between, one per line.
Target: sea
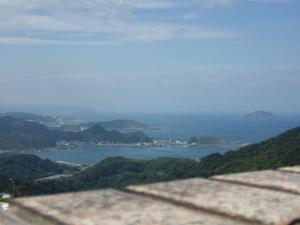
230 127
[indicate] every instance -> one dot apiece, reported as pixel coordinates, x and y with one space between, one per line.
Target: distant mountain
44 109
109 125
49 121
137 137
258 115
122 124
29 116
98 134
15 125
19 134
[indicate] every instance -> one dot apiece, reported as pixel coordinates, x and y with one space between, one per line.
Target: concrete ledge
112 208
276 180
261 198
293 169
233 200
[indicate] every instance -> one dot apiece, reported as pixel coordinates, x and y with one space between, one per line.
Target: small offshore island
24 131
259 115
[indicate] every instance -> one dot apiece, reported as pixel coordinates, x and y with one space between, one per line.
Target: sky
152 55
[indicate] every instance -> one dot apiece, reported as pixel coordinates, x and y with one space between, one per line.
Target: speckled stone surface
8 218
294 169
109 207
289 182
239 201
261 198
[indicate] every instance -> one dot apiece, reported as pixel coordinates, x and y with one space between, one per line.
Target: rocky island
211 141
259 115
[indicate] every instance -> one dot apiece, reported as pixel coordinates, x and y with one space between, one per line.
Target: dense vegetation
24 167
19 134
119 172
120 124
98 133
280 151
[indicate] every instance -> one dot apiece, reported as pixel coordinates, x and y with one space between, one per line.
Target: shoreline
157 143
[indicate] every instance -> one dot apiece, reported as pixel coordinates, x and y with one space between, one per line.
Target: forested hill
283 150
26 167
109 125
19 134
118 172
121 124
23 168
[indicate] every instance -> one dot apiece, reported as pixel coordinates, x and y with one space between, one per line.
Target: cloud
117 21
37 41
48 22
190 15
274 1
211 4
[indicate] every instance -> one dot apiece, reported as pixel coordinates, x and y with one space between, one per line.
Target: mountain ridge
118 124
19 134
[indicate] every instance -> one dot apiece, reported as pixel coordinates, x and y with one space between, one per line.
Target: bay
231 127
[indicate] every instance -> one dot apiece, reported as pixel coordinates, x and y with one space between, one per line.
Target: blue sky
152 56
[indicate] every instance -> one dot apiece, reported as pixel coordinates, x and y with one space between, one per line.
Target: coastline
124 145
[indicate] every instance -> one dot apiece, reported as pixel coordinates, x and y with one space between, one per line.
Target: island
259 115
211 141
118 124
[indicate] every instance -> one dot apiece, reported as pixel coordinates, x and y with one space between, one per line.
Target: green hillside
109 125
24 167
283 150
119 172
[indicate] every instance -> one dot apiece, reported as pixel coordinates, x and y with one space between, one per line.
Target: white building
5 195
4 206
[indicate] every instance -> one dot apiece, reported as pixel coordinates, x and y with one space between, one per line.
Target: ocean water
229 127
94 154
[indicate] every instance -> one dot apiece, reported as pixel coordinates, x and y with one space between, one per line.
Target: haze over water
229 127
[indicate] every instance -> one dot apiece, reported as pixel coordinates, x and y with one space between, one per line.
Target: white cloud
106 21
274 1
22 21
38 41
210 4
190 15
